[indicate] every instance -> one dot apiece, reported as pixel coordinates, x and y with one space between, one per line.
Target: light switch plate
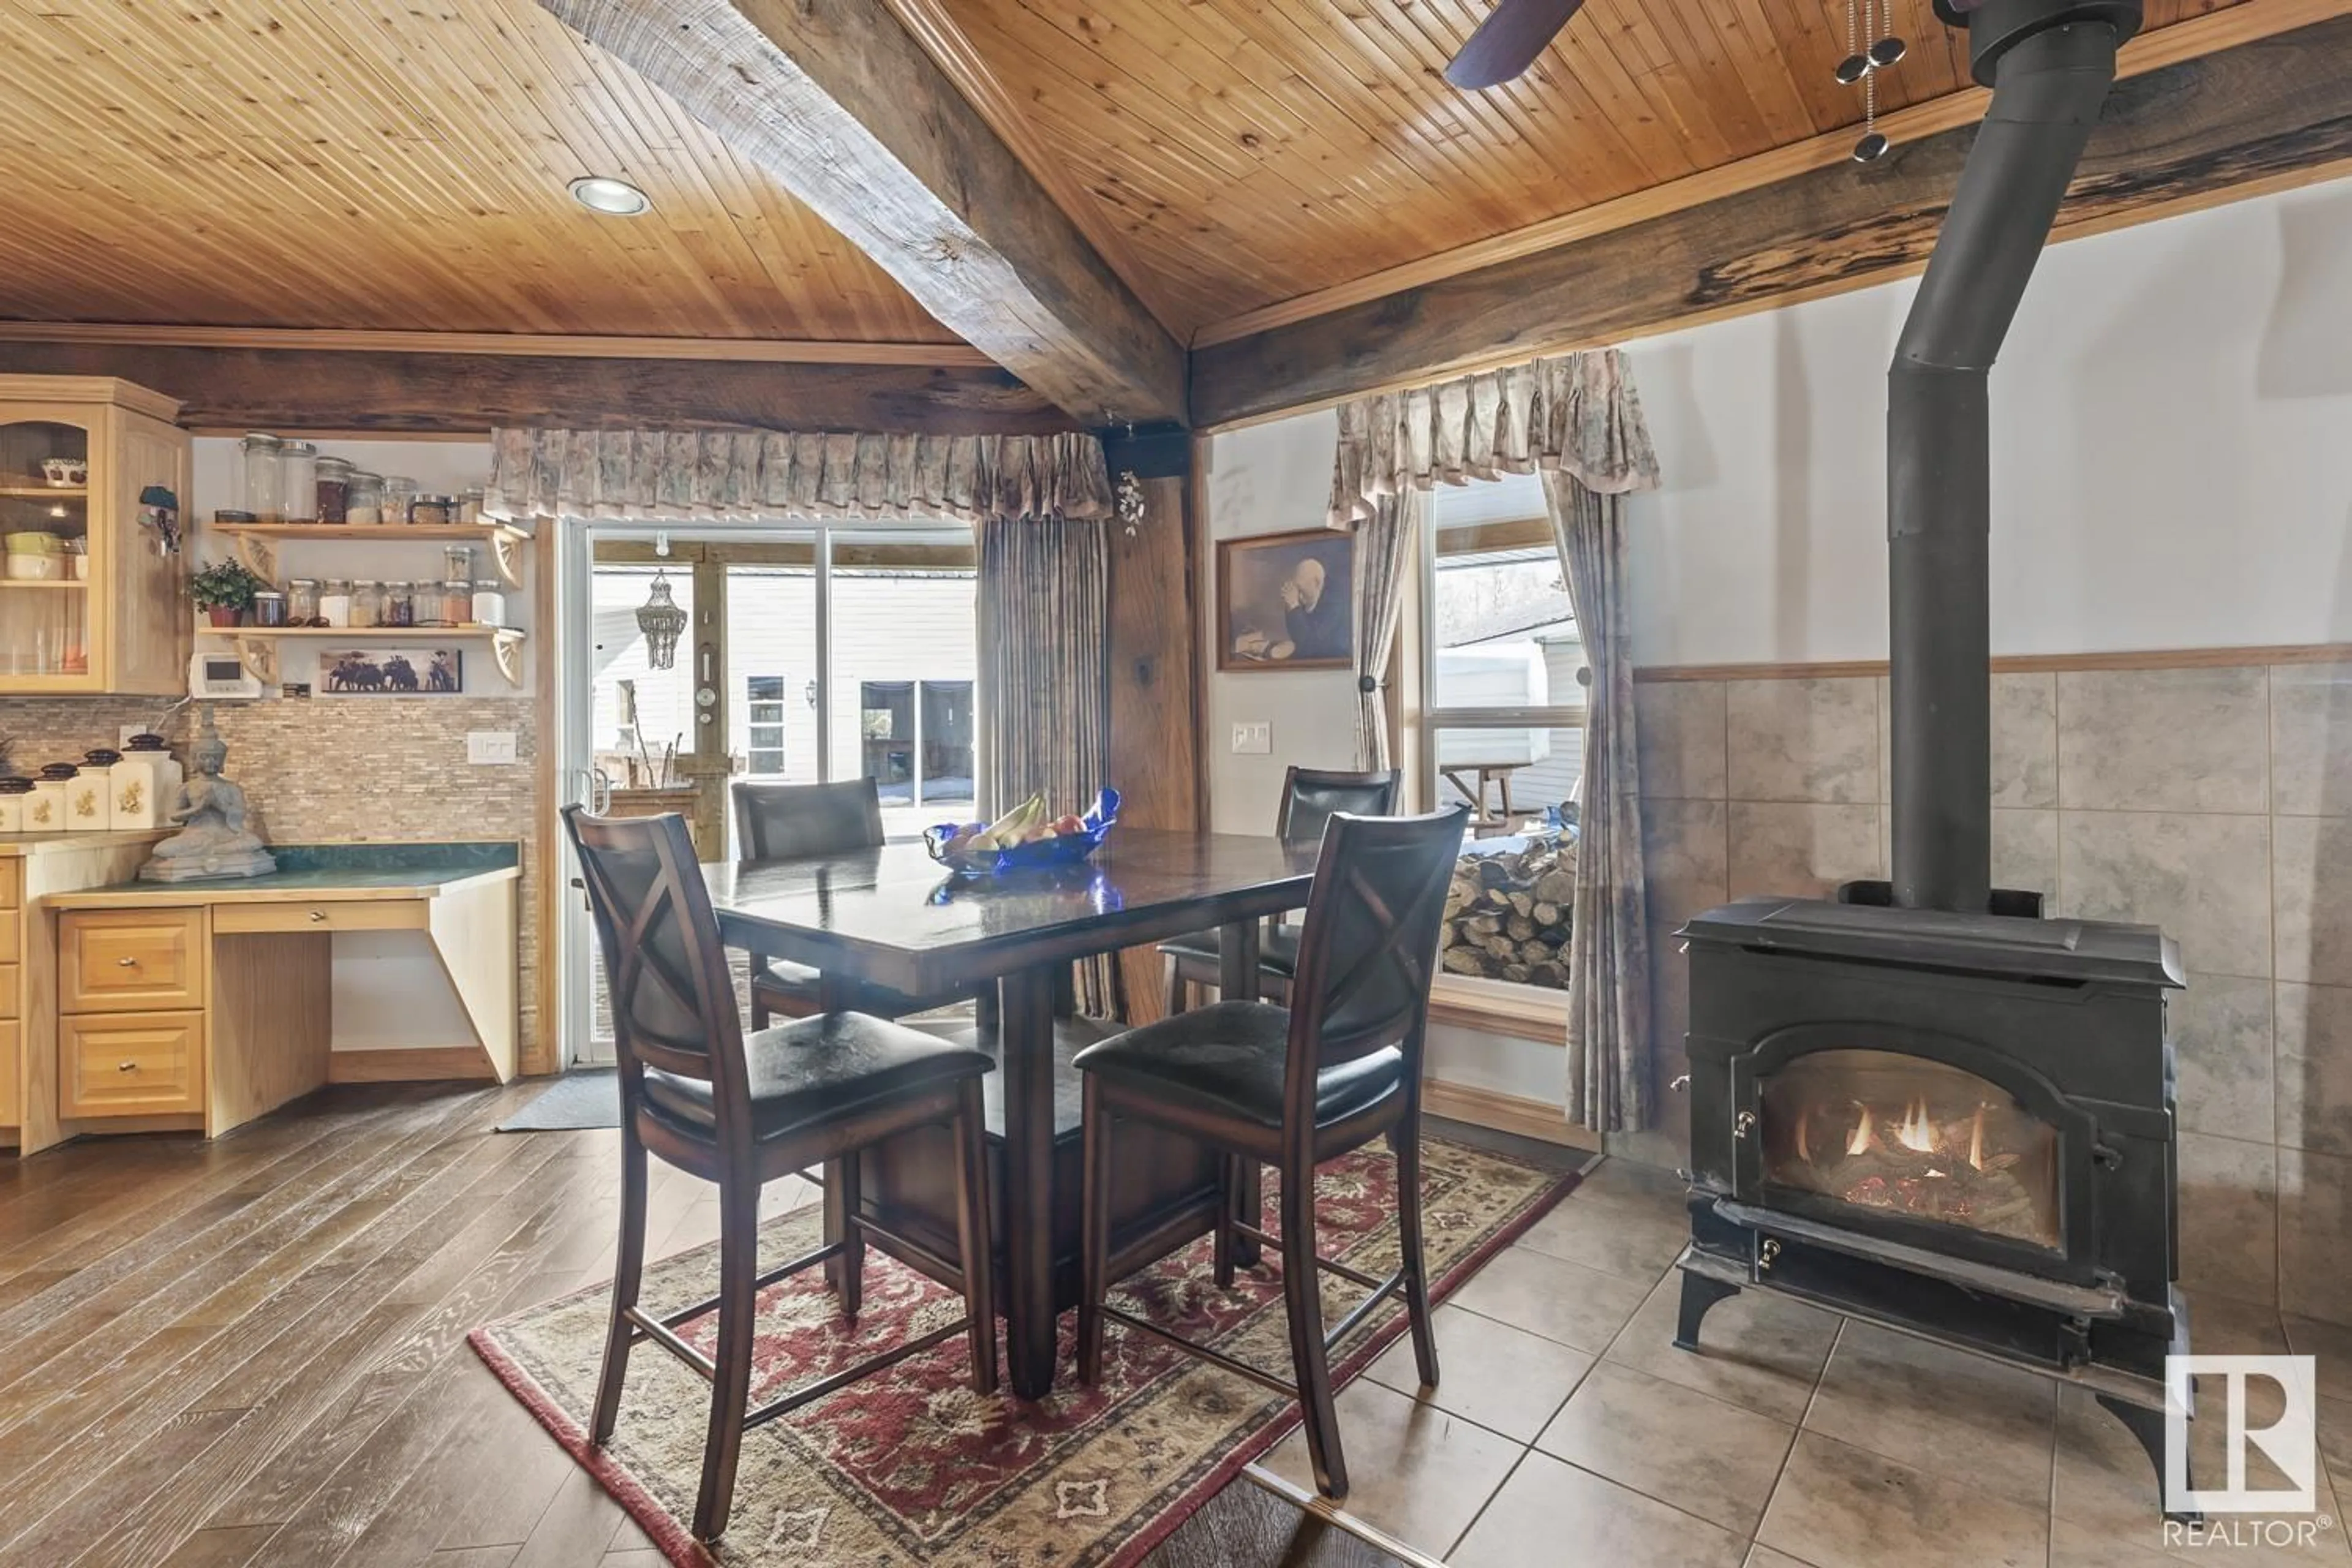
490 747
1253 738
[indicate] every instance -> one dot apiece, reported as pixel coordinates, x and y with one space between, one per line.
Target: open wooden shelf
254 644
78 584
45 493
256 541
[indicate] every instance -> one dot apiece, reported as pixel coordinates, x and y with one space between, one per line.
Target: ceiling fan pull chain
1856 65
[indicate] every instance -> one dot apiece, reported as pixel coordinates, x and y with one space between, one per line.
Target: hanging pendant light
663 623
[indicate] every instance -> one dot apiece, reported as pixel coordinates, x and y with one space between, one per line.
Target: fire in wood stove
1887 1130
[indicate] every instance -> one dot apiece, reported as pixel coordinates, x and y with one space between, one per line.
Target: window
763 725
1501 727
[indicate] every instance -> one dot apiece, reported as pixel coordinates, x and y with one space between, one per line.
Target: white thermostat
221 675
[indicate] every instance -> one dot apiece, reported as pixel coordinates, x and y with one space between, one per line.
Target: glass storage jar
268 607
489 606
367 604
302 602
433 511
335 602
334 489
469 506
456 601
398 491
299 491
400 604
458 561
365 502
263 462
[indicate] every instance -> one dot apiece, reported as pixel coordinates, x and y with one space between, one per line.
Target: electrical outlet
490 747
1253 738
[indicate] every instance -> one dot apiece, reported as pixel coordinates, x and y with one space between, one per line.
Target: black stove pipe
2049 64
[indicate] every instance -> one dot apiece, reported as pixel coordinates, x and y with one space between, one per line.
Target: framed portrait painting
1286 601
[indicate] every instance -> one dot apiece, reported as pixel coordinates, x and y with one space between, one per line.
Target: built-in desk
204 1005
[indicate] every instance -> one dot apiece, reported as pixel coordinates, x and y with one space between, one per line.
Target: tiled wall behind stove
337 769
2215 802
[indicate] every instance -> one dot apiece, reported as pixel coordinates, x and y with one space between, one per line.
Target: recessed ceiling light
604 194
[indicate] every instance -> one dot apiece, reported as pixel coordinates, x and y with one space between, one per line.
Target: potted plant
225 591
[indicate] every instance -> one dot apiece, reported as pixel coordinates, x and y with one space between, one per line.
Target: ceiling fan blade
1508 41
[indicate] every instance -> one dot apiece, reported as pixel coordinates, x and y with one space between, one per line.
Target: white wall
2171 465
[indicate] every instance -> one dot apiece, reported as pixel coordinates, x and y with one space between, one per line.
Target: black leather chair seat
785 984
1277 950
1228 1058
813 1068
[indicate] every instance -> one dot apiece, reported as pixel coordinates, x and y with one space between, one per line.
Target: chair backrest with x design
666 973
1368 951
779 821
1309 797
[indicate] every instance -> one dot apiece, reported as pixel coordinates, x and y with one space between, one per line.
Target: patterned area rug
910 1467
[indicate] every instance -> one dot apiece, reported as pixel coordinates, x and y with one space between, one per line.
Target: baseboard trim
1490 1108
430 1064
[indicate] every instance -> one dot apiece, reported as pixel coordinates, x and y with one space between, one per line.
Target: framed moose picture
1286 601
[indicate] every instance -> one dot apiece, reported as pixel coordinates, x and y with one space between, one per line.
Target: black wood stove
1922 1103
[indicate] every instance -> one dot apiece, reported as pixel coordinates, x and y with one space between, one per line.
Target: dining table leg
833 994
1025 1003
1237 981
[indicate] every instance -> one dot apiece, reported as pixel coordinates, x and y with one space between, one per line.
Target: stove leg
1700 1291
2148 1426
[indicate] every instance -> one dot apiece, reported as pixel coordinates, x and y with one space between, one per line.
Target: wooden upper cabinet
89 601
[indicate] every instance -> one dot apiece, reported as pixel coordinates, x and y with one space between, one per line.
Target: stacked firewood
1506 914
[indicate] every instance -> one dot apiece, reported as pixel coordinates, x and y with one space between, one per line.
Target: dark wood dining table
892 917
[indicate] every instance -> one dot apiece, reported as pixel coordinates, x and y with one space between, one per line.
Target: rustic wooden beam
372 394
2253 117
841 106
541 345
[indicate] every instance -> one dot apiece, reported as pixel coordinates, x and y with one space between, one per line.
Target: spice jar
398 493
299 487
335 603
400 604
334 489
365 502
268 607
489 606
302 602
263 462
433 511
367 604
469 505
457 603
458 561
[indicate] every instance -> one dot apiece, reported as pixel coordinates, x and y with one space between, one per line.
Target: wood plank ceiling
1254 151
388 164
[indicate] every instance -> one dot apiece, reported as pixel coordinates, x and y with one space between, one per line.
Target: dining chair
743 1111
1292 1088
783 822
1309 797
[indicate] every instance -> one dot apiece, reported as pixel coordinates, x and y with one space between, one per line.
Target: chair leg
1405 1139
1094 1243
1176 987
629 1268
1302 1294
730 1386
973 1248
1229 1175
846 1273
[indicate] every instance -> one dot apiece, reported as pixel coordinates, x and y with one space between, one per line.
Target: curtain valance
719 475
1576 414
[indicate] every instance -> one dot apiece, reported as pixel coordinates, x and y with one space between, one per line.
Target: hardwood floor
252 1351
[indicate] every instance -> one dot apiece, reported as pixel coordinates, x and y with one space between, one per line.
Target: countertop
15 845
322 873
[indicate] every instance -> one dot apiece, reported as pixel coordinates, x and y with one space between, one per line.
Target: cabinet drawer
131 1064
11 873
120 961
390 914
12 991
12 1075
12 930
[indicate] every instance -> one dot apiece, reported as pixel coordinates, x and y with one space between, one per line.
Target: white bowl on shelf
36 568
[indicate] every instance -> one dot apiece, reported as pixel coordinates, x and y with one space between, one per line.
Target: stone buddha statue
210 812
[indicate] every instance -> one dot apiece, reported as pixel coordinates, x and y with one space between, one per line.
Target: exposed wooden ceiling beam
542 345
2240 23
842 106
408 394
2260 115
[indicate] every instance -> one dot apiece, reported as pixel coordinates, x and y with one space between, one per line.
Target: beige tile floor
1568 1430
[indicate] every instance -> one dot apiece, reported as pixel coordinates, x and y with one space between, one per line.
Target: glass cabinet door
45 527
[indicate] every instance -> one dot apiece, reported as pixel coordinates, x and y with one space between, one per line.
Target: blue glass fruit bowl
1067 848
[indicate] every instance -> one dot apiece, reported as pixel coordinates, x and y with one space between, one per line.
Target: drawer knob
128 962
126 1067
317 914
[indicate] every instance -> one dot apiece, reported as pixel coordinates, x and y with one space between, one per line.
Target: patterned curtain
1387 544
1044 681
1609 942
1574 414
723 476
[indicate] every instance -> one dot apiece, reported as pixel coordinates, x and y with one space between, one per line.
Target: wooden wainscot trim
1503 1112
2019 663
423 1064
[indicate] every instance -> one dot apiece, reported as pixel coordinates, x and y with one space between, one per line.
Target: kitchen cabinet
93 585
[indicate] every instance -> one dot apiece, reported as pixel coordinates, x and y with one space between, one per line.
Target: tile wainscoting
329 770
2213 800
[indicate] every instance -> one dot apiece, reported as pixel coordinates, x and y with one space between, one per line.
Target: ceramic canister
89 795
13 790
143 782
44 808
